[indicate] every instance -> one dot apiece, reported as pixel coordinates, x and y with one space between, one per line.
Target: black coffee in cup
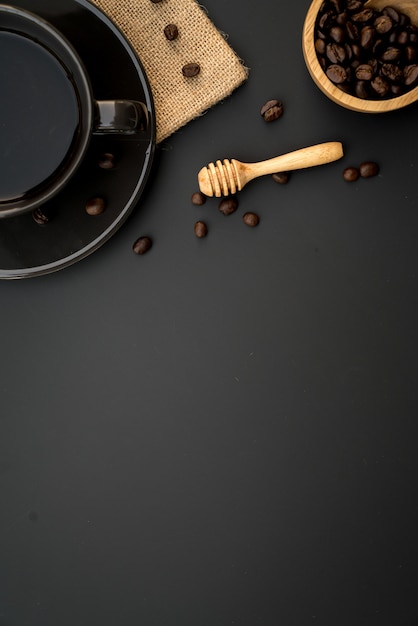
48 112
39 115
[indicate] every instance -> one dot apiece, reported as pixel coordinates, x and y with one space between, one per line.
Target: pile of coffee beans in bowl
367 53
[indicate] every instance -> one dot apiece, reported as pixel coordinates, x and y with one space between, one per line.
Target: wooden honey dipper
228 177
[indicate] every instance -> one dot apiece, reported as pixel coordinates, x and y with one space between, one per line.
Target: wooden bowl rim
329 89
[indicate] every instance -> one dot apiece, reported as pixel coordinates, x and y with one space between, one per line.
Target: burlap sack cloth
178 99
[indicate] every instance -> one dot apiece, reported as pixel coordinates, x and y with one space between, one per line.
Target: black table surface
224 430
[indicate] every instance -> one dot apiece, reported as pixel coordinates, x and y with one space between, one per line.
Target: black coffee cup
48 112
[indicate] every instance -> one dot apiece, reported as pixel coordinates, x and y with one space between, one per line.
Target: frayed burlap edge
178 99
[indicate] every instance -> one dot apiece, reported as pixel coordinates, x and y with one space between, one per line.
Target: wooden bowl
329 89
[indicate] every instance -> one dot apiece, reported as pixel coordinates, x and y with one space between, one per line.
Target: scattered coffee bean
155 1
198 198
251 219
40 217
107 161
200 229
281 177
142 245
367 53
351 174
272 110
171 32
369 169
228 205
190 70
95 206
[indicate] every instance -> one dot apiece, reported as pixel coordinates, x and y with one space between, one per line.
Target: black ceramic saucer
28 248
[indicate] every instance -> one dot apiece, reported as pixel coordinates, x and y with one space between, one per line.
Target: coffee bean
367 37
95 206
352 31
364 72
142 245
363 16
383 24
155 1
380 86
351 174
391 55
392 72
341 18
107 161
361 89
272 110
228 205
410 55
251 219
413 35
411 75
198 198
320 46
322 63
395 90
354 5
337 34
392 13
336 53
325 20
40 217
403 38
392 39
171 32
190 70
404 20
369 169
281 177
337 74
200 229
